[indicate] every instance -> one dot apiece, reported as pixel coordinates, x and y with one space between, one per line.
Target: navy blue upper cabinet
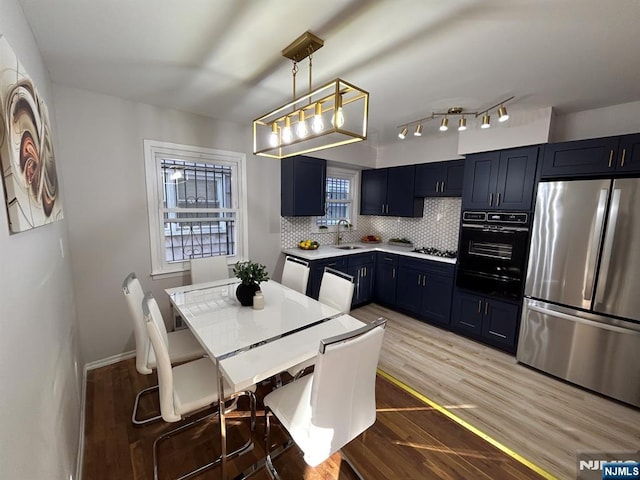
629 154
594 157
303 183
501 180
390 191
439 179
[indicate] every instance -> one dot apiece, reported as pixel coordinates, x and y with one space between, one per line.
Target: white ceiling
222 58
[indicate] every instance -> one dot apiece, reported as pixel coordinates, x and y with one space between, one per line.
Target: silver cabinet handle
437 186
491 199
387 208
479 305
419 278
498 201
608 245
424 280
393 273
486 308
382 208
610 157
624 154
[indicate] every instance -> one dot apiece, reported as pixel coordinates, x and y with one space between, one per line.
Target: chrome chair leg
246 447
134 416
271 470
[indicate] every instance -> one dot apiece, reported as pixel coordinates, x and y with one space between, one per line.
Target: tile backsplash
437 228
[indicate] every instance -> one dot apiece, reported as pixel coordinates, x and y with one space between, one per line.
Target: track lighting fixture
462 121
332 115
503 116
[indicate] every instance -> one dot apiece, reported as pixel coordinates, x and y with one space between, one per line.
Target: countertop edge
329 251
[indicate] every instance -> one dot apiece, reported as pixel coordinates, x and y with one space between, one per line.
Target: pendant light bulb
462 124
418 131
273 136
337 119
301 128
503 116
486 121
403 133
317 125
287 134
444 126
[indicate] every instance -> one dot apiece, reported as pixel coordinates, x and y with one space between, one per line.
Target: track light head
418 131
503 116
444 125
403 133
462 124
486 121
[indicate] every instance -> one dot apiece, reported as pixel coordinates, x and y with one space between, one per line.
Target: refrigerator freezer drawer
593 354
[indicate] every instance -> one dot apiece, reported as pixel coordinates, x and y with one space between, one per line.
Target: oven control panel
518 218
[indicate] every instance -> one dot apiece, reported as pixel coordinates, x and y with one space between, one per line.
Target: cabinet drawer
438 268
361 259
383 258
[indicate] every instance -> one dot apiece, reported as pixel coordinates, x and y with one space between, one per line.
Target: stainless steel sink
348 247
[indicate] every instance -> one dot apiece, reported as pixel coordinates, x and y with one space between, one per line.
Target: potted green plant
250 274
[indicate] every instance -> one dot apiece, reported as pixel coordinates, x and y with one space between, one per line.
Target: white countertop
328 251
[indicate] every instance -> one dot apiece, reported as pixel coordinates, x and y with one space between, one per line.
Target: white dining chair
209 269
182 345
187 388
336 290
324 411
295 274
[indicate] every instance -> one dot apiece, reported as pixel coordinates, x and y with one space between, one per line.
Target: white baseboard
83 403
110 360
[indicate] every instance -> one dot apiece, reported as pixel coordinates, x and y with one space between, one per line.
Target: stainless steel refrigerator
581 312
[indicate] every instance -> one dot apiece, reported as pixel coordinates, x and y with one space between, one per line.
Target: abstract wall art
31 188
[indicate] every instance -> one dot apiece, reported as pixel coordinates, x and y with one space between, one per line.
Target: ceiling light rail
461 114
338 112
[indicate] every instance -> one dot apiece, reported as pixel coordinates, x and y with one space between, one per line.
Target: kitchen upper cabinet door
580 158
467 312
303 185
452 178
428 178
436 302
500 323
629 157
480 176
401 201
516 179
373 192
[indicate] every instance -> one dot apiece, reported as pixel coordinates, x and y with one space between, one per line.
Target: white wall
600 122
40 368
101 139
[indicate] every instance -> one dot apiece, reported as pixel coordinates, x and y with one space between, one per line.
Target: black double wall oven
493 253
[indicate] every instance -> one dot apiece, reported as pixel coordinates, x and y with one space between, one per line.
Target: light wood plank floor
546 420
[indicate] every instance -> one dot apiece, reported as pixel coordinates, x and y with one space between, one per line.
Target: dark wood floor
410 440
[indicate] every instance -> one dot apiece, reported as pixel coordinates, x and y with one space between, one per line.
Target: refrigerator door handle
590 277
608 245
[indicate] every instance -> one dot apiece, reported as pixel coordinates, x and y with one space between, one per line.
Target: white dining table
249 346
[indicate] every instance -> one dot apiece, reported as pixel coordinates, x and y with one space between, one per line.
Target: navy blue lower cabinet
362 269
486 319
424 289
386 278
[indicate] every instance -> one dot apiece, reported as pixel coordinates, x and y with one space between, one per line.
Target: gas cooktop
436 252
